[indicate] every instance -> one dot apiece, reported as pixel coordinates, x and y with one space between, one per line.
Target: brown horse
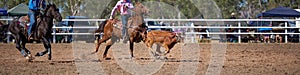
136 29
42 31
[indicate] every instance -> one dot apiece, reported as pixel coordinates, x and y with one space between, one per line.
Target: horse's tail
100 29
97 31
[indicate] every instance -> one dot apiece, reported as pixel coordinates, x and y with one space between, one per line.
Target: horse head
53 12
140 9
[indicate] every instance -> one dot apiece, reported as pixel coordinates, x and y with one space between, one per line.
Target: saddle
119 24
23 21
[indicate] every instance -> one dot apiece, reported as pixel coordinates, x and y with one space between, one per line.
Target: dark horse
136 29
3 31
41 32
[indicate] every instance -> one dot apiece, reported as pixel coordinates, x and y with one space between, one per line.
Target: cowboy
34 6
122 7
232 16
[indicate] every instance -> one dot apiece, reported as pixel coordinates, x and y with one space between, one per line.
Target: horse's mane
48 7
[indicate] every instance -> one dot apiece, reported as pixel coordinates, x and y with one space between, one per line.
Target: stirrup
30 36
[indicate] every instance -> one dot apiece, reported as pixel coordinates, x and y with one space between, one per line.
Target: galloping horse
41 32
3 30
136 29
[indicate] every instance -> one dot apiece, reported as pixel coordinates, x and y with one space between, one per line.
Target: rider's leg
124 26
32 22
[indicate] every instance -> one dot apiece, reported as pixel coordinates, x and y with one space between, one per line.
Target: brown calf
166 38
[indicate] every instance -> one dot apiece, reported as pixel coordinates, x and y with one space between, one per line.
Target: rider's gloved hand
42 10
110 17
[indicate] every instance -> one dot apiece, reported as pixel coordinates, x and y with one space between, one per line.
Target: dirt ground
239 59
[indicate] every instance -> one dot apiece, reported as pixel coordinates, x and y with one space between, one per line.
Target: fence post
239 25
54 36
286 37
193 30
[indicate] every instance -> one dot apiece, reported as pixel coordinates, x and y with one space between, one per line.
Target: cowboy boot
29 36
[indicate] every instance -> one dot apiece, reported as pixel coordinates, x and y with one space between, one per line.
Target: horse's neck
47 20
137 19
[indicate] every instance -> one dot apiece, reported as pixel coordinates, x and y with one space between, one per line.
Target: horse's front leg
167 50
131 44
47 46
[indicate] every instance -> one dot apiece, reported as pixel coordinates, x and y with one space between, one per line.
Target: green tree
11 3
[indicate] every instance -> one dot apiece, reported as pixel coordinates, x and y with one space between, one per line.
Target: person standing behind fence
232 37
123 7
232 16
35 6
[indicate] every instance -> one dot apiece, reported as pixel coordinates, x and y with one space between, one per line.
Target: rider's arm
129 5
43 3
114 9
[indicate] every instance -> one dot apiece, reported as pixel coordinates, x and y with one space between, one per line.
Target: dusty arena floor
73 59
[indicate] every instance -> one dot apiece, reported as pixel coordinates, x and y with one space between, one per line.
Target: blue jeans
124 25
32 16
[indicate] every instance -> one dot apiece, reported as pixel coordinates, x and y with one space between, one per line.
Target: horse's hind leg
109 44
47 46
105 38
23 44
20 46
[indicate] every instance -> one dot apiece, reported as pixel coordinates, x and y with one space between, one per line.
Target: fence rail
184 20
239 27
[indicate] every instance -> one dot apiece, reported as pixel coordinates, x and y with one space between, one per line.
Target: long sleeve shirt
35 4
122 7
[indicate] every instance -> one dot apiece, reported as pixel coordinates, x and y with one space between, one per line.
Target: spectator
232 16
266 37
231 37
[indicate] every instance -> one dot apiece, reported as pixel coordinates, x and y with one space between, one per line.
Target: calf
167 38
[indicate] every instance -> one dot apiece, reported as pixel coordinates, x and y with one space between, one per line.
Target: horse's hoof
93 52
104 56
29 58
157 57
165 58
49 58
165 53
38 54
162 58
132 57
